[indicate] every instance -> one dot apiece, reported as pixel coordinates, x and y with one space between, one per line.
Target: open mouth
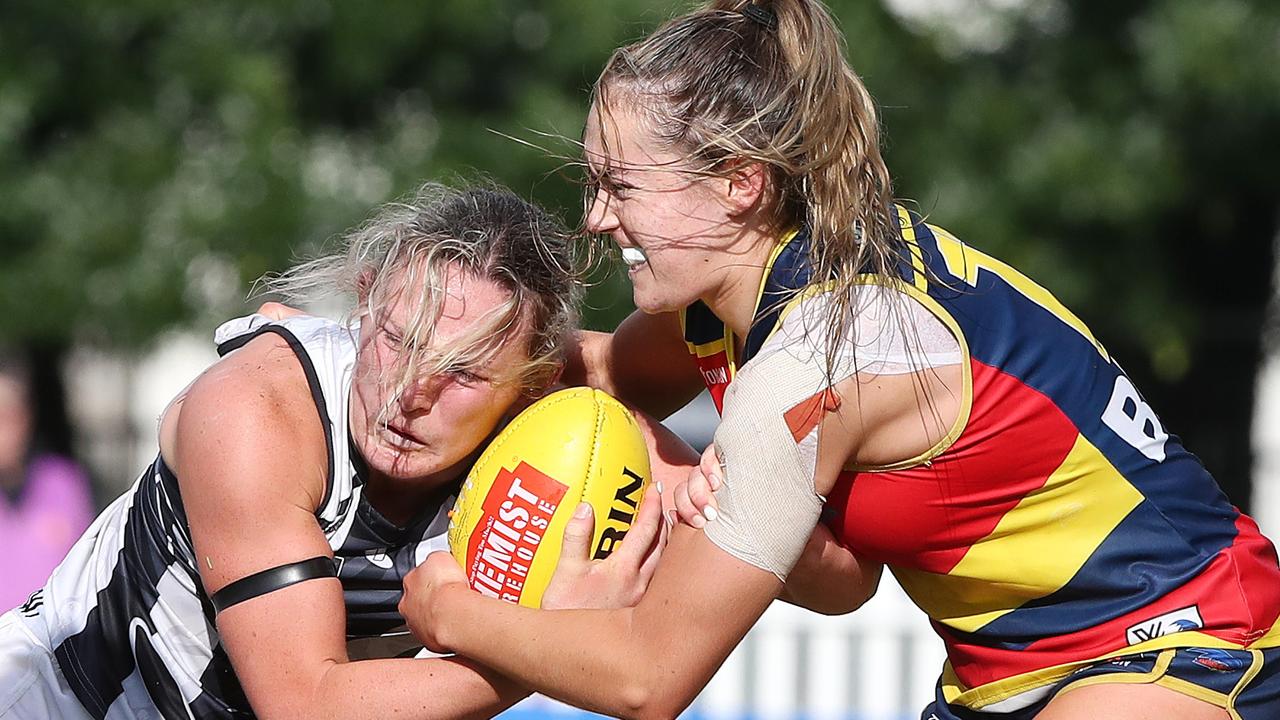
402 438
634 257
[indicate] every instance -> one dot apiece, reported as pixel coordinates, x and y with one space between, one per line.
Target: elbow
848 602
653 700
651 696
640 703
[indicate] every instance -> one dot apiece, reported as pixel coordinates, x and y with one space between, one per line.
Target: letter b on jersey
1134 421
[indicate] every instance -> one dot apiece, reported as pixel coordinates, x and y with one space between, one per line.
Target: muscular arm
647 365
643 662
829 579
653 659
249 451
644 363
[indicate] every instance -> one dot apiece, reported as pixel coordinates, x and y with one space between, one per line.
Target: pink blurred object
39 524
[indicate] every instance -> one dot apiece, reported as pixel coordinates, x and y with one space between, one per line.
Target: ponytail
768 82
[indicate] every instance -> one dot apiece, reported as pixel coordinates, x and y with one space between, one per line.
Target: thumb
576 546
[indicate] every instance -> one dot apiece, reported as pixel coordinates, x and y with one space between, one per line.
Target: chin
653 306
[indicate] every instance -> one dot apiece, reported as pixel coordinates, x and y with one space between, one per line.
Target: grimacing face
429 432
647 198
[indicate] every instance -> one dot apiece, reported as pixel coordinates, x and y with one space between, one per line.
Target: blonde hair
409 246
770 84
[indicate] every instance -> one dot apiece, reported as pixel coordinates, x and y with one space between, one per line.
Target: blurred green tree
156 158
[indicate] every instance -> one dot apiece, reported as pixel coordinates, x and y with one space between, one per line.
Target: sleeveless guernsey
131 626
1057 523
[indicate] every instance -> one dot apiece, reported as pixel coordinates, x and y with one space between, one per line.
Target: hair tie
761 16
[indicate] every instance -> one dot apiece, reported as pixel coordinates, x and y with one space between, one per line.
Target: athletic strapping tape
272 579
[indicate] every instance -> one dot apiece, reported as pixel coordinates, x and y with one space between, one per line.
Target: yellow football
572 446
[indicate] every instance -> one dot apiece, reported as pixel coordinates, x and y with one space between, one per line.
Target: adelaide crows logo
1219 660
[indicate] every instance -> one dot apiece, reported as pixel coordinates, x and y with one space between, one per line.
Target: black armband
272 579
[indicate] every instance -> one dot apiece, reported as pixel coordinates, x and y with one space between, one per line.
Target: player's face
672 222
430 430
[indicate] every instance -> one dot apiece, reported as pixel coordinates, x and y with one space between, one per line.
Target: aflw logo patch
517 511
1187 618
31 607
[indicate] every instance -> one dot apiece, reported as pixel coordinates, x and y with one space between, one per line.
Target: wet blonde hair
770 84
487 232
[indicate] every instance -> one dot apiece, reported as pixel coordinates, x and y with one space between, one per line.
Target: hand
277 311
620 579
695 504
423 588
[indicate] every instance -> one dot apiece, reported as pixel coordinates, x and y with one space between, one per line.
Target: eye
391 338
463 376
615 187
604 180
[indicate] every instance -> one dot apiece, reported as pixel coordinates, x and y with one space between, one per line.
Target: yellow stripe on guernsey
956 693
1035 549
964 262
711 348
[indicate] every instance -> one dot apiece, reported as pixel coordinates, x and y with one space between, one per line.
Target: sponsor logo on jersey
1180 620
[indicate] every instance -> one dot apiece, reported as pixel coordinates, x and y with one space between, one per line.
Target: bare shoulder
886 420
251 408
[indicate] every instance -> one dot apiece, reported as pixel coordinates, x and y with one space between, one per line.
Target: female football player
949 416
256 563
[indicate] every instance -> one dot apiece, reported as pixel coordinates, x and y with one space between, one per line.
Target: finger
653 554
711 467
576 544
643 531
440 567
688 512
699 491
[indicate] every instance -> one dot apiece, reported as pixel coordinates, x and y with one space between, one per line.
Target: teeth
633 256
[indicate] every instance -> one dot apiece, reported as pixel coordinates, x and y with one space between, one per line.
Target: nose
601 217
421 394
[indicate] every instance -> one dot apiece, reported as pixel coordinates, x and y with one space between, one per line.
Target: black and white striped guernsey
131 626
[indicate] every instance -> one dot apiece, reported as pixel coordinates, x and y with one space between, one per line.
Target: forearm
644 363
594 644
829 579
417 689
647 661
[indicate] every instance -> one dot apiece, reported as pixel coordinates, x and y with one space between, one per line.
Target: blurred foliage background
157 157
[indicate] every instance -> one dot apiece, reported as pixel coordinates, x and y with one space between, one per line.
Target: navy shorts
1246 683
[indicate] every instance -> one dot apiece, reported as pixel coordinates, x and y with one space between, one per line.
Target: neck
733 300
401 501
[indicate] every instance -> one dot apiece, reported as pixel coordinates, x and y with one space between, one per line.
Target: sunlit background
157 157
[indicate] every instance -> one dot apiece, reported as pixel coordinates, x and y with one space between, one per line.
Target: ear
552 384
747 182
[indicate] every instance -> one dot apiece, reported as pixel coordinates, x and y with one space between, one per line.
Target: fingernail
715 481
710 513
658 484
583 510
670 517
698 521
